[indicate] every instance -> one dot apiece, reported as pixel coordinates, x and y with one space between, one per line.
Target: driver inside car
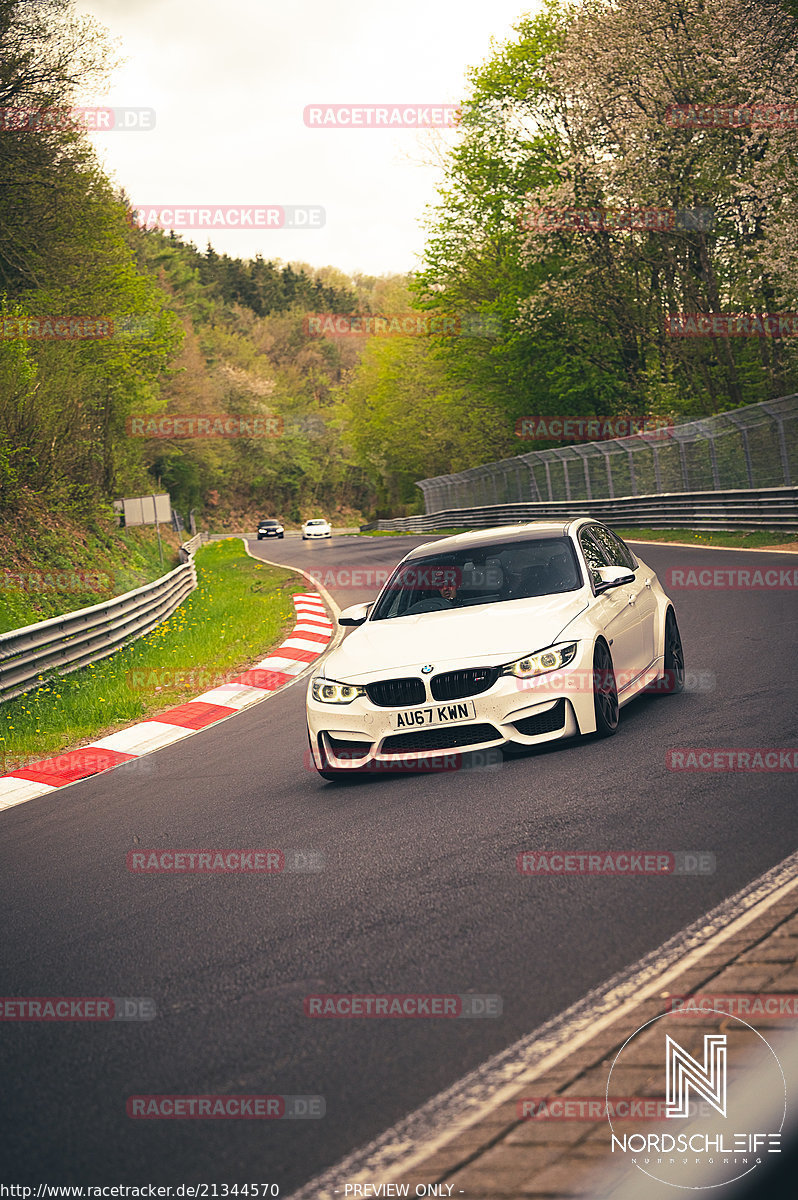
436 600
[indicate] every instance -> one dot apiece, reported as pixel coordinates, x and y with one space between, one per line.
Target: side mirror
354 615
611 577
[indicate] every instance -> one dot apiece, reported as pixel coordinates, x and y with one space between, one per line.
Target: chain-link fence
752 447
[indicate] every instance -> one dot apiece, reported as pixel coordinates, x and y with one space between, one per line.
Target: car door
615 613
641 594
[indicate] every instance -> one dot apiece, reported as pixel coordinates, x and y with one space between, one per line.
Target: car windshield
487 574
268 522
316 522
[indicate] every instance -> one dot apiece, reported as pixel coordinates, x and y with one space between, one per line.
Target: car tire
605 692
673 663
280 536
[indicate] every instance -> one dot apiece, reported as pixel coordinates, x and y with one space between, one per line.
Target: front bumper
513 712
310 536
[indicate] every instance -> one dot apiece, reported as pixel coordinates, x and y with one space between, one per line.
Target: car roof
497 533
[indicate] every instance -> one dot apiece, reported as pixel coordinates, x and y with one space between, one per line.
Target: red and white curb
308 639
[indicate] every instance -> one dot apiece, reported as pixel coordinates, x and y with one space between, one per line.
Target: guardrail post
607 456
785 458
548 478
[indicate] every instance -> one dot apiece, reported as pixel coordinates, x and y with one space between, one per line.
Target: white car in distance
509 637
316 528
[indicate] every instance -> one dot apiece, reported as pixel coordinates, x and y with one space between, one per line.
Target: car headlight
328 691
550 659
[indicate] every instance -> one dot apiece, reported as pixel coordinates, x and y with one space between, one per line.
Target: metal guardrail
74 640
740 508
188 548
751 447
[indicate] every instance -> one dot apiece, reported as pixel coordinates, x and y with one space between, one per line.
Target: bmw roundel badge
426 669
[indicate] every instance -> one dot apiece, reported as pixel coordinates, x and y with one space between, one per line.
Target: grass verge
51 564
755 539
239 610
752 539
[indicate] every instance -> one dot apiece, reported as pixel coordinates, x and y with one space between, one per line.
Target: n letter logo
684 1072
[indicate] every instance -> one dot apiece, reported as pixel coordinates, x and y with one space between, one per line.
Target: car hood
488 635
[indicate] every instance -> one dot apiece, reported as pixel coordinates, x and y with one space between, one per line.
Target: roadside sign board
148 510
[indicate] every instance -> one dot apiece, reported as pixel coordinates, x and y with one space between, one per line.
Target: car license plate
436 714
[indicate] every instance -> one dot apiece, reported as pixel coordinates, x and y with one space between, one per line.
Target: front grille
545 722
396 693
454 685
445 738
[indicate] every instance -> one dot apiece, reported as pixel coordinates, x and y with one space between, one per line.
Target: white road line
698 546
140 739
17 791
233 695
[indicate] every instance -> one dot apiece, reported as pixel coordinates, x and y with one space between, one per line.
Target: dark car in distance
269 528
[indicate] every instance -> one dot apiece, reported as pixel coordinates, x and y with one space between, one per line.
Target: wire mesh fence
751 447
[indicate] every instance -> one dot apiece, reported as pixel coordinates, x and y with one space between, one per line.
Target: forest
618 168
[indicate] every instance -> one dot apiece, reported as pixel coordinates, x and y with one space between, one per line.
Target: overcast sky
229 80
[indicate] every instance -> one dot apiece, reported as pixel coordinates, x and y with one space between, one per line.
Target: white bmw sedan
316 528
508 637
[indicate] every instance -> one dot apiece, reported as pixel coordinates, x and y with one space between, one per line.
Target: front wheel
673 682
605 692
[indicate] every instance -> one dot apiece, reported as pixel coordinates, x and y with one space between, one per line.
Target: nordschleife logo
685 1074
724 1099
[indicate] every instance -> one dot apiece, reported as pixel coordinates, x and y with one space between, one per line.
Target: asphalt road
419 894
